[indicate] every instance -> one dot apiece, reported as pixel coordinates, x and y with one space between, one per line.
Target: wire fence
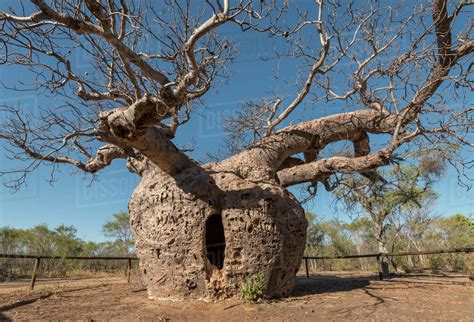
371 261
14 266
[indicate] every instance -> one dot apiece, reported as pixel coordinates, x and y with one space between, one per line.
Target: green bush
252 290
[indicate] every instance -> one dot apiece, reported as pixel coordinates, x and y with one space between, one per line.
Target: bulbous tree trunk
205 247
202 230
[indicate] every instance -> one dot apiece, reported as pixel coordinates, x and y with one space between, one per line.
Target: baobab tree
201 229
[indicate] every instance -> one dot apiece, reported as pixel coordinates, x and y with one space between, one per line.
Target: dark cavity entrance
215 240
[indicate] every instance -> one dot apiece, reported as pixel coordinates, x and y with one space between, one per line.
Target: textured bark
264 230
264 226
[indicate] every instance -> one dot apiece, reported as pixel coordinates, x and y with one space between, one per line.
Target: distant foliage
417 230
63 241
60 241
118 228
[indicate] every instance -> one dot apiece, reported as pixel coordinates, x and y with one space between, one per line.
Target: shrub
252 290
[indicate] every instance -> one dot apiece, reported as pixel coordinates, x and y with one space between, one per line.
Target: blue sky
73 200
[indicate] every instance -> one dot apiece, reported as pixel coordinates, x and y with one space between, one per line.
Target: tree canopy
63 240
119 228
400 73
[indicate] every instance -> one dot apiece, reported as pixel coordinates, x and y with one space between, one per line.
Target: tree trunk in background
410 262
421 257
361 262
383 259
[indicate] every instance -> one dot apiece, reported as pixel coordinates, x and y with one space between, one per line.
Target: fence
467 258
38 259
467 253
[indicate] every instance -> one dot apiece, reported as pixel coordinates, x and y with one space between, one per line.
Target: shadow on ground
22 303
43 296
317 284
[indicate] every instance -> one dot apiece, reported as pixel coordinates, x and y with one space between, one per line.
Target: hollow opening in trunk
215 240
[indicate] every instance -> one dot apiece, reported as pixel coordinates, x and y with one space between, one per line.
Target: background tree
61 241
457 230
386 199
40 240
410 229
314 236
119 228
328 238
11 240
363 236
66 242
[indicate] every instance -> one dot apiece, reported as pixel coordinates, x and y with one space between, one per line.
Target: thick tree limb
105 156
321 169
272 151
144 113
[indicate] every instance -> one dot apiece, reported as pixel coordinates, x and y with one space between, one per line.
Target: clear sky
72 200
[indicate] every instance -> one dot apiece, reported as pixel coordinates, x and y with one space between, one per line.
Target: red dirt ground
326 296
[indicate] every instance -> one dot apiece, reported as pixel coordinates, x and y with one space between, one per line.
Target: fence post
468 263
129 270
35 270
379 267
306 266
